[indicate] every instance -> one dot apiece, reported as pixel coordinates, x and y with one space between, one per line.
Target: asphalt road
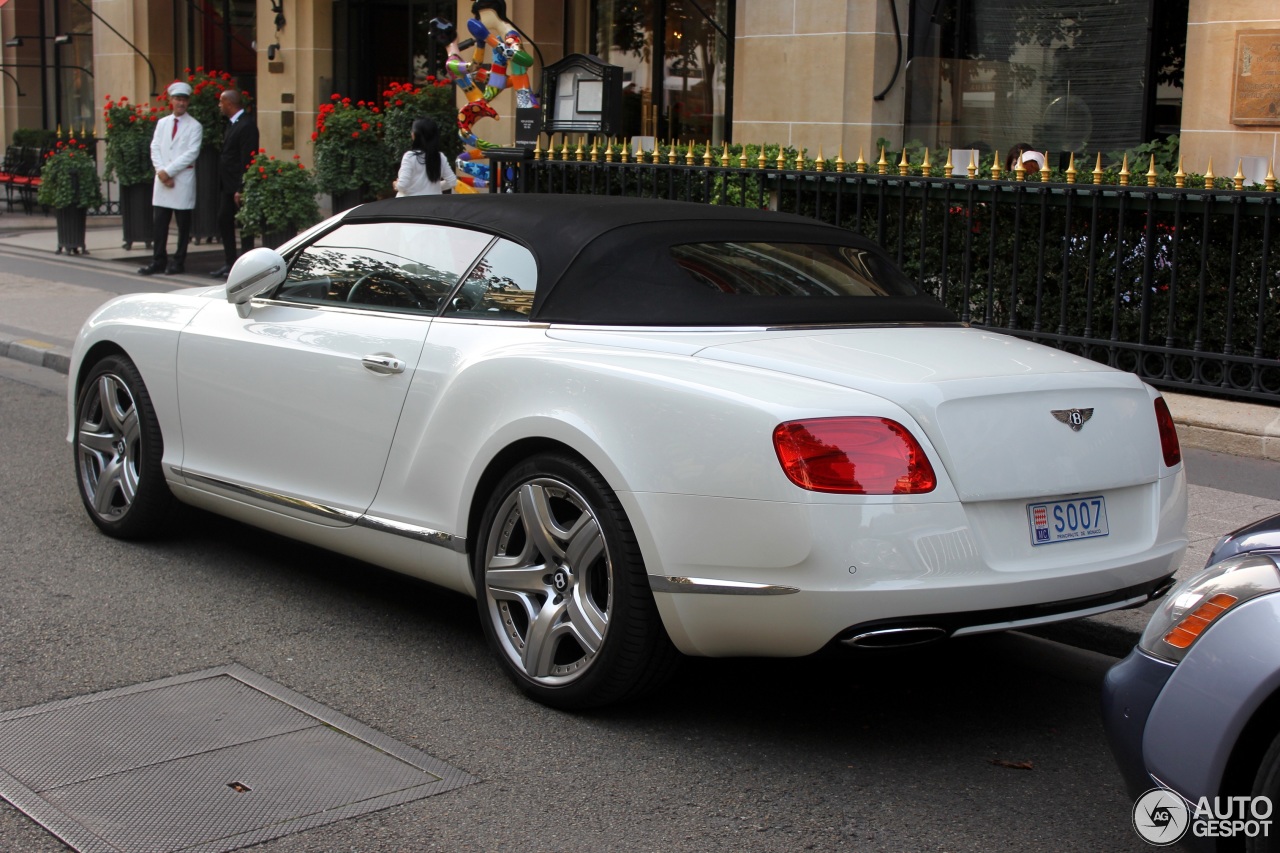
892 750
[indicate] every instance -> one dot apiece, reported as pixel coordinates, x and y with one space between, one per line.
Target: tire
118 448
562 589
1267 784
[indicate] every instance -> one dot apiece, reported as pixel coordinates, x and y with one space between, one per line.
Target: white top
176 155
413 179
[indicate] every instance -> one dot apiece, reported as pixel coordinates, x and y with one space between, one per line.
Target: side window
389 266
501 287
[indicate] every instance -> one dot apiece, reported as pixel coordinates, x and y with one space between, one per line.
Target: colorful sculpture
497 39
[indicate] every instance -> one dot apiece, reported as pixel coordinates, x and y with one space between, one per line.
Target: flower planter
347 200
71 230
135 214
276 239
204 219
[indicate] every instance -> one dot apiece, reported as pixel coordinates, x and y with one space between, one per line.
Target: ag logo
1160 817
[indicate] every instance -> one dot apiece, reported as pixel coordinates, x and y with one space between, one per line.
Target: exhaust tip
892 638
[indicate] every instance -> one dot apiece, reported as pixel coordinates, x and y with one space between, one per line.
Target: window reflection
501 287
384 266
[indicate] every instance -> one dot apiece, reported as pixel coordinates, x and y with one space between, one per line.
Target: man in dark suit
239 145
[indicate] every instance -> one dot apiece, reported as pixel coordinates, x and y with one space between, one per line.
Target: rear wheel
562 589
118 448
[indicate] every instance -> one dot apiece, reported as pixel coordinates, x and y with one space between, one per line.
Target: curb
38 353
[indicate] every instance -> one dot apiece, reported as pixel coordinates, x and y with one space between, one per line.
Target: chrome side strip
412 531
383 525
706 586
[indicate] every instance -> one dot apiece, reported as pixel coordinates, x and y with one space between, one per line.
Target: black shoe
151 268
174 268
222 271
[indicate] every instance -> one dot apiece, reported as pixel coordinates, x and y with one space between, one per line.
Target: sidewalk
1224 426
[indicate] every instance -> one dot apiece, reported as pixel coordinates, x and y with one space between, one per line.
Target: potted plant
402 103
278 200
352 164
127 161
69 184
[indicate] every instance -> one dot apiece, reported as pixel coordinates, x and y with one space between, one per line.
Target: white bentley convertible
634 428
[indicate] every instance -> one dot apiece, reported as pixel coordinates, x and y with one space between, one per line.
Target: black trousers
160 217
227 229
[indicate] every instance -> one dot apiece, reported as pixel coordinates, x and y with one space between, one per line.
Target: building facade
826 75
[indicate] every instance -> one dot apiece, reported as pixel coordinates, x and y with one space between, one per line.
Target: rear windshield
790 270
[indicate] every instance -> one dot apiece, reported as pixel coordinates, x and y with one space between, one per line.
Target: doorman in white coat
174 149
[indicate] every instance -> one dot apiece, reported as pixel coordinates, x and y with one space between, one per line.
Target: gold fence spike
860 164
1020 172
1071 169
671 154
904 167
581 153
595 151
1208 175
840 159
564 150
724 154
972 168
883 164
1151 172
537 147
996 171
608 150
1097 170
948 167
1238 180
782 160
926 168
59 131
688 154
1271 177
742 157
1044 170
760 161
1180 177
819 165
1124 170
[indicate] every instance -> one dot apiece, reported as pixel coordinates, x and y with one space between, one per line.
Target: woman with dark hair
424 170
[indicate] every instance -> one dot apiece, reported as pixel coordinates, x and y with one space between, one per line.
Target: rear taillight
1168 434
855 456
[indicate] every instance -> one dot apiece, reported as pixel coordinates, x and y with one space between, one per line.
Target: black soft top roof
606 260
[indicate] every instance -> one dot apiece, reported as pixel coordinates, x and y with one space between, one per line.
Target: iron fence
1175 284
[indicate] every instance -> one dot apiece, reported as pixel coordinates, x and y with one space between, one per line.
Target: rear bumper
757 578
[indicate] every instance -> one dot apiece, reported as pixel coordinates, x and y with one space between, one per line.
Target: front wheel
118 448
562 589
1267 784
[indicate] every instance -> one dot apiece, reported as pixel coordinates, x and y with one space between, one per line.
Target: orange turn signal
1194 623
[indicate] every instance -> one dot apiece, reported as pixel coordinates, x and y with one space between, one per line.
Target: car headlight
1200 600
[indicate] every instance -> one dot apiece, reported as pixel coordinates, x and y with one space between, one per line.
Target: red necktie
175 129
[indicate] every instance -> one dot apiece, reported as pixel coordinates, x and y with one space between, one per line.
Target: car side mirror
254 273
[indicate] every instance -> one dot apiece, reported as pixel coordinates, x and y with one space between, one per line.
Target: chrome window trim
708 586
371 522
342 308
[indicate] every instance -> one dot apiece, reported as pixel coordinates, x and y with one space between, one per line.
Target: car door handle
383 364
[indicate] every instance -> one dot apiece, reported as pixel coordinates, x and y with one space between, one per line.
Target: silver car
1195 709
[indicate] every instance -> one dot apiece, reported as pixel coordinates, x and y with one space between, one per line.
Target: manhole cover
211 761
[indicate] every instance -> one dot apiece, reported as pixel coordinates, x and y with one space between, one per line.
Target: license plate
1065 521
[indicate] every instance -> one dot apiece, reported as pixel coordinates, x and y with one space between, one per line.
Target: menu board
1256 96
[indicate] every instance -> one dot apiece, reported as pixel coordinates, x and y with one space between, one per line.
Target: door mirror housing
254 273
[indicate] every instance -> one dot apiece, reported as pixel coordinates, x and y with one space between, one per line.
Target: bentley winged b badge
1074 418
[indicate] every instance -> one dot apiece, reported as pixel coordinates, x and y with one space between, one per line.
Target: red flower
355 134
